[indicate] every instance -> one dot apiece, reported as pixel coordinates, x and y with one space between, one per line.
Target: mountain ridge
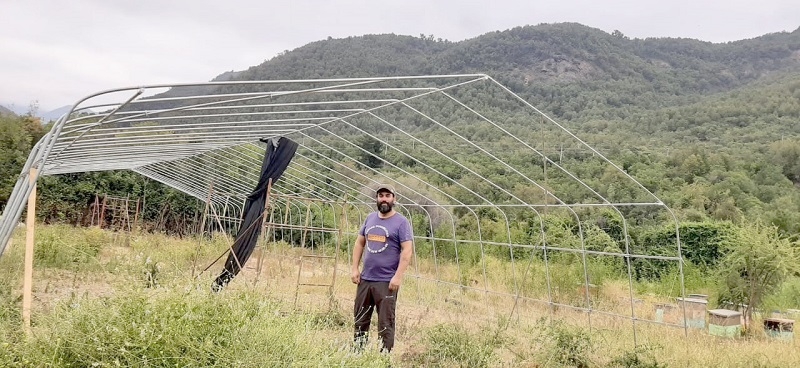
574 73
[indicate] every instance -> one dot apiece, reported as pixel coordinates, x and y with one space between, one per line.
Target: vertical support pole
264 216
339 235
283 236
286 219
27 285
95 209
345 223
305 228
136 217
202 226
144 199
297 284
127 210
103 212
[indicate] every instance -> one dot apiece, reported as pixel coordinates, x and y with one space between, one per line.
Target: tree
619 35
373 148
758 261
787 155
14 147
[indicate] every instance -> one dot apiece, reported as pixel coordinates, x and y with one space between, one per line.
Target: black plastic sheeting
276 158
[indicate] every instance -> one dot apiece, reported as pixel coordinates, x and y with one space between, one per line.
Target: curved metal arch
191 140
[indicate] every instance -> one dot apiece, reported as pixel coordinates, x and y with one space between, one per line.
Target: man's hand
394 284
355 277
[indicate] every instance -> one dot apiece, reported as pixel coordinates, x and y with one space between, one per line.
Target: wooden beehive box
724 322
695 311
663 312
779 328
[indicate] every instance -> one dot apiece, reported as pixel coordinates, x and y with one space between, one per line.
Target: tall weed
144 328
451 345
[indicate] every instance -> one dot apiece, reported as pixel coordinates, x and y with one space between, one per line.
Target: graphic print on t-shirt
377 238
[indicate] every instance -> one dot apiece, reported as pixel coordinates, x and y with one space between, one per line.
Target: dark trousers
369 295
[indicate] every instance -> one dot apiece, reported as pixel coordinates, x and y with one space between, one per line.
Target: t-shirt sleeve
406 233
363 229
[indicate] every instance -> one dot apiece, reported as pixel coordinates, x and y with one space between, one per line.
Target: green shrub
450 345
154 328
702 243
564 345
639 357
62 247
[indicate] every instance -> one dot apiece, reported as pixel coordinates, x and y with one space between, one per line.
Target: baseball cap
384 188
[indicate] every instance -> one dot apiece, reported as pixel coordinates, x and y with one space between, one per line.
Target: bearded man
386 242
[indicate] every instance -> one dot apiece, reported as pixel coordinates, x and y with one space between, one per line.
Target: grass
104 299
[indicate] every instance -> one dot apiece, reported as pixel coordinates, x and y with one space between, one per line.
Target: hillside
6 112
708 127
571 71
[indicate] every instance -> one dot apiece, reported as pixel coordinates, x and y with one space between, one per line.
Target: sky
55 52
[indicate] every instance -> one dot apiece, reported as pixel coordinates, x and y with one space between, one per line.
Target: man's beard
385 207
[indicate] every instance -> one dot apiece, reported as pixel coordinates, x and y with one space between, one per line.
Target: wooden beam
27 285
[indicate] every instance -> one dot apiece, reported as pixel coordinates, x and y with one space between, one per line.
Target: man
388 240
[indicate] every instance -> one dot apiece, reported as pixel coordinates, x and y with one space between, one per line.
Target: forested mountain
571 71
662 91
713 129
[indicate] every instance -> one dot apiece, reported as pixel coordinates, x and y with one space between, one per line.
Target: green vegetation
97 304
756 267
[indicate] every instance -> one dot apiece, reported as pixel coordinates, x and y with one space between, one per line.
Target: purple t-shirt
382 248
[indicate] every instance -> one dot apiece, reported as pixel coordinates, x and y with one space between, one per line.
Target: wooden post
27 285
96 209
141 209
305 228
264 217
103 212
128 213
136 217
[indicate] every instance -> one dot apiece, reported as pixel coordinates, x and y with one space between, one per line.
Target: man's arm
358 250
406 250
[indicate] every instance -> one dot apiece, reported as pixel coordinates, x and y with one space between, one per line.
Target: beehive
779 328
695 311
724 322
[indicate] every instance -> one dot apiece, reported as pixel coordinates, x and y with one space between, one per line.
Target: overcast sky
56 52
